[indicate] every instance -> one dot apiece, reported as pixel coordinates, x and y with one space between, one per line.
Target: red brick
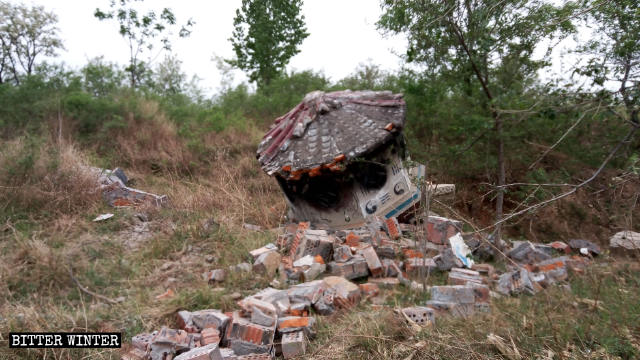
369 289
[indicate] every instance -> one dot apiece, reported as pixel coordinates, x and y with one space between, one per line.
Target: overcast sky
342 35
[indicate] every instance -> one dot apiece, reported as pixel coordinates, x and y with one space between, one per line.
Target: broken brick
373 262
369 289
267 263
458 276
293 344
421 315
210 336
439 229
207 352
419 266
393 228
210 318
352 240
355 268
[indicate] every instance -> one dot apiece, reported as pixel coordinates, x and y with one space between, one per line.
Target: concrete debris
267 263
206 352
420 266
447 260
421 315
353 269
168 342
627 242
517 282
265 249
461 250
460 300
342 253
113 184
103 217
210 318
561 247
373 262
527 253
459 276
293 344
279 321
440 229
579 244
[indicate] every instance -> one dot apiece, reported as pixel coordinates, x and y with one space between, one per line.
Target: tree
141 31
26 33
614 54
266 36
483 48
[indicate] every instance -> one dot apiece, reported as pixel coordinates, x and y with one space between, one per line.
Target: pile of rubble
313 270
113 184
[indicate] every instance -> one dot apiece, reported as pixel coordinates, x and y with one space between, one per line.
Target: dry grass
557 321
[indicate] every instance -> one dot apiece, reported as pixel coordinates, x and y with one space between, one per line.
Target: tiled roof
327 130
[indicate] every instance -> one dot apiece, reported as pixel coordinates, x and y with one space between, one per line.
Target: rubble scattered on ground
319 272
113 184
626 242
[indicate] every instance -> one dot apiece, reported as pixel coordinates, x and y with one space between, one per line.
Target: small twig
87 291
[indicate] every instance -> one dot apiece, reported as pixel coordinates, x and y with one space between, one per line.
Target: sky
343 35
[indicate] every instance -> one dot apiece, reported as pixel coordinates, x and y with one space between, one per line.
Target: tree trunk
501 183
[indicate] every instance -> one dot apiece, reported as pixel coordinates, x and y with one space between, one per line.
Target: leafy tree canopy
266 35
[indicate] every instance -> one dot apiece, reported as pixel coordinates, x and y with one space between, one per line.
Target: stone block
460 294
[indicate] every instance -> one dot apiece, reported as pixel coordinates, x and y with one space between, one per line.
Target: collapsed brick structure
318 272
338 158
